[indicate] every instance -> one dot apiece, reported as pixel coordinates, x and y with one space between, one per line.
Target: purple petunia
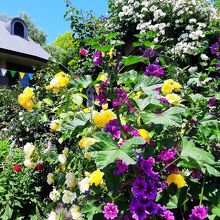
97 57
199 213
122 167
197 174
167 155
154 70
164 100
149 53
110 211
139 187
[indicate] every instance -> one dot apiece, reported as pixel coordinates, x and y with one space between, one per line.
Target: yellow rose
167 88
177 86
177 179
87 155
96 178
102 118
105 106
173 99
86 142
25 99
28 92
144 134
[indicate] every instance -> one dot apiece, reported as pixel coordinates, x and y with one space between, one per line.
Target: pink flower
83 52
17 168
110 211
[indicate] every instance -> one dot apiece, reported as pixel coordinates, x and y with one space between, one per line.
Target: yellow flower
102 118
111 53
144 134
25 99
167 88
105 106
87 155
177 86
87 110
170 85
102 77
28 92
86 142
96 178
173 99
61 79
55 125
177 179
138 94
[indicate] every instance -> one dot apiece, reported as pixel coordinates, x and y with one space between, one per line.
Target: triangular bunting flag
30 76
13 73
21 75
4 71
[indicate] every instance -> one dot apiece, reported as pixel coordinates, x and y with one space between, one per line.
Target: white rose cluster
188 20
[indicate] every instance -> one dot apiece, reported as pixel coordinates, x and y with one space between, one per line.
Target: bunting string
13 73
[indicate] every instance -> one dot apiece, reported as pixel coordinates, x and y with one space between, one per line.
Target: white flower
193 69
84 185
136 4
29 164
75 211
55 125
204 57
153 8
71 180
29 149
68 197
54 195
52 216
62 158
50 178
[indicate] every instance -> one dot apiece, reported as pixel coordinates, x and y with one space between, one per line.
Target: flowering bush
140 140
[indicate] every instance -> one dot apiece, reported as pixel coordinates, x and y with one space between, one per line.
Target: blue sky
48 14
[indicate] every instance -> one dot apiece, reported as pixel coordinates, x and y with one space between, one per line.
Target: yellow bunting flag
21 75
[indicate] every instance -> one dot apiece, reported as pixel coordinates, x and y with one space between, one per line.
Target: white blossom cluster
187 19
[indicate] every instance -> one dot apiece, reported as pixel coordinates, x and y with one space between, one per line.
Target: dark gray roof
17 44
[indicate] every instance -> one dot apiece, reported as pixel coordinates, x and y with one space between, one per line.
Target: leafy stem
202 190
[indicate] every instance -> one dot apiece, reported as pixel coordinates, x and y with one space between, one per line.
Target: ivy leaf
171 117
127 61
105 151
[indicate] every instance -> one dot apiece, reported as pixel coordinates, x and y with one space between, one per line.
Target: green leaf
77 123
127 61
77 99
90 209
127 77
105 151
171 117
147 83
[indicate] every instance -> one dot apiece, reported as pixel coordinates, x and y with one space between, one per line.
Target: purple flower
147 166
158 90
102 94
214 48
139 187
122 166
122 98
167 155
97 57
110 211
197 174
199 213
149 53
168 215
138 210
164 100
212 102
154 70
151 191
